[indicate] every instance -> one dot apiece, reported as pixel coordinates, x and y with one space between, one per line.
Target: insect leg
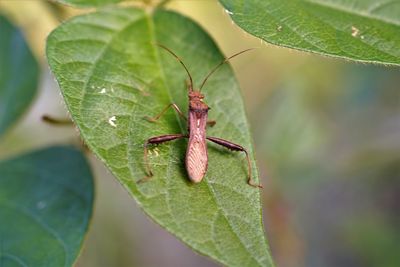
55 121
164 110
211 123
236 147
154 141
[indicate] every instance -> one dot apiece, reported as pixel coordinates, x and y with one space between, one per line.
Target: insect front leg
164 110
155 141
236 147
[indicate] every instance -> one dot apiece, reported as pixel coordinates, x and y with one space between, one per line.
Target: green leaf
46 201
361 30
112 75
19 73
89 3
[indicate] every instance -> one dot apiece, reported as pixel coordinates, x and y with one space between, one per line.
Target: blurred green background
327 138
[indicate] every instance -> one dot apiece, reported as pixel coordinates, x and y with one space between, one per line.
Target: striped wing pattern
196 157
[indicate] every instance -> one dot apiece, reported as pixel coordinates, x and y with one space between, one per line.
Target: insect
196 154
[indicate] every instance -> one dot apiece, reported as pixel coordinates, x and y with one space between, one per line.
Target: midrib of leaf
168 89
161 69
36 207
41 223
230 225
101 54
14 258
351 11
151 26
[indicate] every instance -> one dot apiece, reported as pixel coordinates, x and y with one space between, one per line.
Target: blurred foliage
19 75
334 155
46 200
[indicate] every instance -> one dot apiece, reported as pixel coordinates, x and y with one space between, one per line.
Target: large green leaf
46 201
19 73
112 75
89 3
361 30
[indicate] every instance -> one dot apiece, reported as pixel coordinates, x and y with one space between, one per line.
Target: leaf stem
152 3
162 3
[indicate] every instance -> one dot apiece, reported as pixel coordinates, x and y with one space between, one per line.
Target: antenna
222 63
180 61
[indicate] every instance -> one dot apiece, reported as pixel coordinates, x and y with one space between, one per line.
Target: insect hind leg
155 141
236 147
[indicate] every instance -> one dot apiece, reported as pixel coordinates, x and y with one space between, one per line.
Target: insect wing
196 158
196 154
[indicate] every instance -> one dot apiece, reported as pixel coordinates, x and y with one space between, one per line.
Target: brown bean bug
196 153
